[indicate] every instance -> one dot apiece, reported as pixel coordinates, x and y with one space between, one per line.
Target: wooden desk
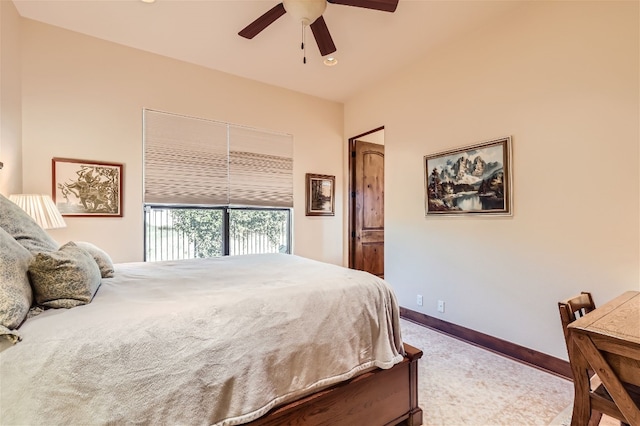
608 339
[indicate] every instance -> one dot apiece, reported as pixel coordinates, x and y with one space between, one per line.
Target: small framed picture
87 188
320 195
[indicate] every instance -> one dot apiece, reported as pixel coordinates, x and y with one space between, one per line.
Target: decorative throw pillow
15 290
11 335
65 278
23 228
100 256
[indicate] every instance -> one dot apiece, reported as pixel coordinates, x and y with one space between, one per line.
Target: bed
255 339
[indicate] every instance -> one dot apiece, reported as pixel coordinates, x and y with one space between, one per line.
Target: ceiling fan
309 12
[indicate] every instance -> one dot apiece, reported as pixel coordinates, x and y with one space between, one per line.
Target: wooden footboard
380 397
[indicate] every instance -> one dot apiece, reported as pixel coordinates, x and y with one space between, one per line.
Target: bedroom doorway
366 202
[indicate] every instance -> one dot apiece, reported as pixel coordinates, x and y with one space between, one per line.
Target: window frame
225 222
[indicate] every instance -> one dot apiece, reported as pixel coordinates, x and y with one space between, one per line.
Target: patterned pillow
15 291
23 228
66 278
100 256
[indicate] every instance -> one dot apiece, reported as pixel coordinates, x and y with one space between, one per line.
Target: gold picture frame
320 195
87 188
473 180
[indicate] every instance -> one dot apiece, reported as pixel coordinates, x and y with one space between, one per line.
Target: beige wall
562 79
10 100
83 98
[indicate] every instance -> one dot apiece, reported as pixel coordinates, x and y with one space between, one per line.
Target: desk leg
581 385
609 379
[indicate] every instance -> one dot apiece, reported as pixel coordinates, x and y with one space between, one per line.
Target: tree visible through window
182 233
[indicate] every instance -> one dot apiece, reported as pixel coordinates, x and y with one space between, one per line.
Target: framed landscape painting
471 180
87 188
320 195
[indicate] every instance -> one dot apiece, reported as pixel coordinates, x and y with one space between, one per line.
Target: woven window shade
191 161
185 160
260 168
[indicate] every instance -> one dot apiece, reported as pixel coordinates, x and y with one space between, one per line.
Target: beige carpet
564 419
461 384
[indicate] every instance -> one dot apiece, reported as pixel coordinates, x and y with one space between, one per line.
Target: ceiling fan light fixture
308 13
305 11
330 61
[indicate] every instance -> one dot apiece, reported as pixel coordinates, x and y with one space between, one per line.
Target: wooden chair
574 308
586 383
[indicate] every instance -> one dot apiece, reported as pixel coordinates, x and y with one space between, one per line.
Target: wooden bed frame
377 398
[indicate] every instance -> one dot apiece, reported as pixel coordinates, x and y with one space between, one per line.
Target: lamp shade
41 208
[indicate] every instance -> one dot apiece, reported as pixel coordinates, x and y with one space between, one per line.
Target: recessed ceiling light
148 1
330 61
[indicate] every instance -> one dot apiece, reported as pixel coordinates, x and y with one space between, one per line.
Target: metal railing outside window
173 233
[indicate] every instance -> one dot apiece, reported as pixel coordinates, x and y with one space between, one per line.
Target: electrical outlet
419 300
440 305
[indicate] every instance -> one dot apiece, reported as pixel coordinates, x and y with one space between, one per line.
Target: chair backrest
574 308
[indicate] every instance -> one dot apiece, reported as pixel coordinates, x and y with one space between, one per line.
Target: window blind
185 160
193 161
260 168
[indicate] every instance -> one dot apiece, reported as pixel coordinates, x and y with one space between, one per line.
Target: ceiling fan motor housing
305 11
309 13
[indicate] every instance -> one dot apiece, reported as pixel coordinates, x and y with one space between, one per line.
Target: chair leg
594 420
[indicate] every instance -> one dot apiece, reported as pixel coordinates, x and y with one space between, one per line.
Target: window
214 189
173 233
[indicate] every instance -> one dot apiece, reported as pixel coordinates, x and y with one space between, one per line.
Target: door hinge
353 154
353 234
353 194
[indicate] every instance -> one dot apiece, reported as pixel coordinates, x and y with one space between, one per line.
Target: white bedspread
207 341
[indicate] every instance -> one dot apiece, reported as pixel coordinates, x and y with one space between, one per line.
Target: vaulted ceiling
370 44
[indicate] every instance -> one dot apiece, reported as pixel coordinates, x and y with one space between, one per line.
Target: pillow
23 228
100 256
8 337
65 278
15 291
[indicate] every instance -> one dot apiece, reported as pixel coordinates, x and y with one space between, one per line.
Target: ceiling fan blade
268 18
384 5
322 36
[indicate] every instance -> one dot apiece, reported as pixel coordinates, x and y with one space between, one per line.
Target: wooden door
368 211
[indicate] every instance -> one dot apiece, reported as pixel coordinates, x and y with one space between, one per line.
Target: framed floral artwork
87 188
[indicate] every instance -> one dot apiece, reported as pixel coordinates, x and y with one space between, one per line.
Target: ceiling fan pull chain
303 46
